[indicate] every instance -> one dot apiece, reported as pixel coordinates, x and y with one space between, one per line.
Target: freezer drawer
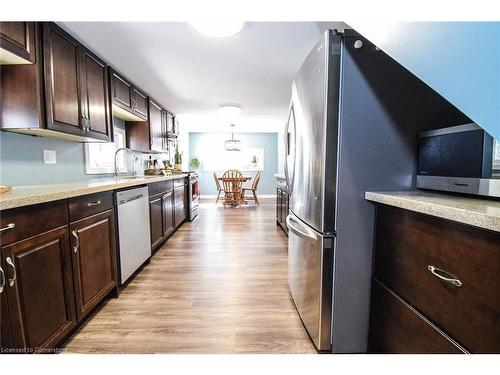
310 256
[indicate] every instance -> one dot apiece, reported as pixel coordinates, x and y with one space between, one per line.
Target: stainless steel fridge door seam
289 136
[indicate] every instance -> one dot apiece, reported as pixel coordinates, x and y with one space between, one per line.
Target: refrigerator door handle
291 116
304 233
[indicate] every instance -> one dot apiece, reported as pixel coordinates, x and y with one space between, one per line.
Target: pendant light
232 144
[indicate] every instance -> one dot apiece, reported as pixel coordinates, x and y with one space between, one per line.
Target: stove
193 195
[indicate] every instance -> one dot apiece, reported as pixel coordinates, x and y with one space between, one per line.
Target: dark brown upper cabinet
76 87
156 126
64 95
129 103
17 43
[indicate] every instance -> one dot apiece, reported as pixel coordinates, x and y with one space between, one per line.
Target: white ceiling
188 72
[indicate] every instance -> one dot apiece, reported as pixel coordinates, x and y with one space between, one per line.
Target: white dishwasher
133 230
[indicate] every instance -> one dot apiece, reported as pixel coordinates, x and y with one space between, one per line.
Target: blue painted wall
267 141
460 60
21 160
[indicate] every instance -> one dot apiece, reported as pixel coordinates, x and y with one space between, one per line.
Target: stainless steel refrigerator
352 127
310 170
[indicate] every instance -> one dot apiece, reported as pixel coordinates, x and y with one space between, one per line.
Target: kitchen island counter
481 213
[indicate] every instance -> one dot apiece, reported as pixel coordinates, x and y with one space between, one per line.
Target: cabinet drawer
395 327
407 243
29 221
179 182
80 207
161 187
179 196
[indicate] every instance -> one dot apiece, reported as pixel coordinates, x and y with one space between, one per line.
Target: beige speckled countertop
480 213
34 194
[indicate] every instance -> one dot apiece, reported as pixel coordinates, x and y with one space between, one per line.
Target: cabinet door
62 81
121 91
40 289
278 205
96 103
140 103
168 214
156 221
18 40
94 257
155 126
5 329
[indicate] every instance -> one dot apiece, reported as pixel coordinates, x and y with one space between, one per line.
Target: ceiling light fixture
229 110
232 144
221 29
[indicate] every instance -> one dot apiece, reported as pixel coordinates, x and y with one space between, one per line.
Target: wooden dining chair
217 185
232 182
253 189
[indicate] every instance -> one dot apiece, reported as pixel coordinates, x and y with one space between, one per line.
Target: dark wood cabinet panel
180 215
140 103
41 299
5 328
180 195
395 327
18 38
95 92
407 243
168 214
121 91
29 221
129 103
90 204
156 126
62 81
93 252
156 221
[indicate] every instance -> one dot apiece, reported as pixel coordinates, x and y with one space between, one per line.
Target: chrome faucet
129 151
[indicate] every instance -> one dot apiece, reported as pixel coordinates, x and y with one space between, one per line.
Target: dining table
234 180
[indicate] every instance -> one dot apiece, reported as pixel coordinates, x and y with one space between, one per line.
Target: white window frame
119 142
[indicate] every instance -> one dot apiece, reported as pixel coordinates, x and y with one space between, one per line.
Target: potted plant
195 163
254 161
177 159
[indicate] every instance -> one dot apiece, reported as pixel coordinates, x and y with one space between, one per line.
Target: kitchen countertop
480 213
33 194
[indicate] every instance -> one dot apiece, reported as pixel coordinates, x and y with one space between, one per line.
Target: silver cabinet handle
7 227
77 239
12 280
95 203
445 276
2 280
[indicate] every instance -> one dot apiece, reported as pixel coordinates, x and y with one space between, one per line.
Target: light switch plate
49 156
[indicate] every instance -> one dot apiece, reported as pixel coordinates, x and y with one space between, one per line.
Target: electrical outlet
49 156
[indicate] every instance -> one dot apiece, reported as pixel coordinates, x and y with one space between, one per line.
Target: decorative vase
178 167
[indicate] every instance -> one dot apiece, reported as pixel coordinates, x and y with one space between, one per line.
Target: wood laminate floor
219 285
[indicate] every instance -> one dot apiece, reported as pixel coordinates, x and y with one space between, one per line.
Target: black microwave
457 159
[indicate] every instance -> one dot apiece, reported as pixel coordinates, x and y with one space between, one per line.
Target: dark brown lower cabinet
395 327
156 221
179 204
93 252
5 329
161 212
39 289
168 214
447 271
